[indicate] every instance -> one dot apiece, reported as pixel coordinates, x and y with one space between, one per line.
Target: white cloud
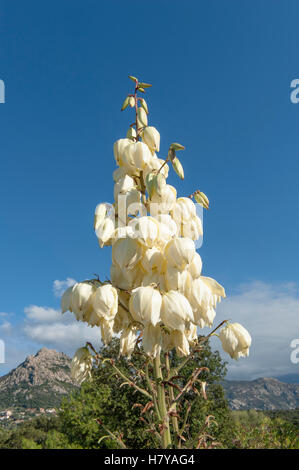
6 327
271 315
62 336
48 327
60 286
36 313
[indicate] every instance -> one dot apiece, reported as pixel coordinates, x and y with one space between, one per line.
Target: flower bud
144 105
141 118
178 168
235 340
132 101
151 137
131 134
202 199
145 305
125 103
81 365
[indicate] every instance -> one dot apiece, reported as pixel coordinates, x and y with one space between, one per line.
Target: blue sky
221 74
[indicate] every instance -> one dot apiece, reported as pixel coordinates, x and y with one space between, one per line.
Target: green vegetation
120 409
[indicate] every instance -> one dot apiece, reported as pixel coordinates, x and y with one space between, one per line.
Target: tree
105 399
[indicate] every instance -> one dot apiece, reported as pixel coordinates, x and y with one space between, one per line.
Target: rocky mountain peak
41 380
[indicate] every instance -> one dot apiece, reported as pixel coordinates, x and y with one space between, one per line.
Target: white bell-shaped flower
152 340
192 229
105 302
123 185
137 155
179 252
154 278
151 137
235 340
101 212
146 229
181 343
126 252
204 317
178 280
155 164
81 365
65 302
121 320
167 228
175 310
153 260
119 173
128 340
106 330
145 305
164 202
195 267
205 293
118 149
105 231
191 334
81 299
184 210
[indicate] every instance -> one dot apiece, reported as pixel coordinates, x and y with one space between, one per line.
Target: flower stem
162 403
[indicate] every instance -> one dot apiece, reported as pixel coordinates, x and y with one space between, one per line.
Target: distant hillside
289 378
44 378
39 382
262 394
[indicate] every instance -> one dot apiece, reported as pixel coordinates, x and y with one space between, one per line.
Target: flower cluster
156 290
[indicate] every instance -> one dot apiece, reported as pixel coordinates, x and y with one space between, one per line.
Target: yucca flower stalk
156 295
